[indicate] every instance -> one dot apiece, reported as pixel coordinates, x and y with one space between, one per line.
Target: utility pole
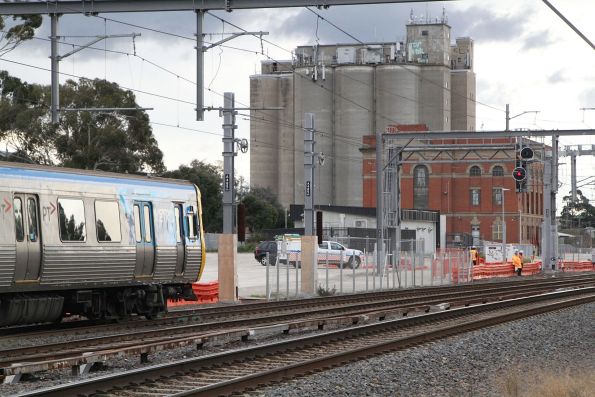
379 205
309 240
228 240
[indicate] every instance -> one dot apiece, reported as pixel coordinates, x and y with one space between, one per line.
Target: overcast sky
525 55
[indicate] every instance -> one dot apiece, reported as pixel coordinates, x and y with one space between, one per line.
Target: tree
24 120
579 213
111 141
18 32
263 210
208 178
120 141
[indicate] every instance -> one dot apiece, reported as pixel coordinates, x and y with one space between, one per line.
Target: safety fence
205 292
571 266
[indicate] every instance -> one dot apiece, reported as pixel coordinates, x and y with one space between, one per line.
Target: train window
18 219
71 213
107 221
147 215
32 211
178 223
192 226
137 223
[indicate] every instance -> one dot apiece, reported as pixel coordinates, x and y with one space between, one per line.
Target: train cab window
137 229
178 223
71 214
32 211
107 221
147 215
192 224
18 219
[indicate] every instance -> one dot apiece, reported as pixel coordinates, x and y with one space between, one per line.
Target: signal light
526 153
519 174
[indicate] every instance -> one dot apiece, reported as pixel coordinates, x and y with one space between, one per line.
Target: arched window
497 171
475 171
420 187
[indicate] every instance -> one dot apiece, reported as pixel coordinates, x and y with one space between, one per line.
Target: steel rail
177 317
291 358
126 341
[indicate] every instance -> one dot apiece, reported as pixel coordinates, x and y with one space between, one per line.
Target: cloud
587 97
557 77
484 25
537 40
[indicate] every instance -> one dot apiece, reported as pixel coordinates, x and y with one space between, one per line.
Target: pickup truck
337 253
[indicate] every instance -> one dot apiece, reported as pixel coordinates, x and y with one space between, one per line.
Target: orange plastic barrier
493 270
584 266
205 292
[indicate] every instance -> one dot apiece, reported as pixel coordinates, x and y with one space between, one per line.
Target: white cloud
525 55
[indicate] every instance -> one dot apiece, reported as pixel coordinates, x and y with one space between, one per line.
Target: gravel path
475 364
468 365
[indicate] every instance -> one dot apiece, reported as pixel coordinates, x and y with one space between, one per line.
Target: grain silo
397 93
314 97
354 110
354 90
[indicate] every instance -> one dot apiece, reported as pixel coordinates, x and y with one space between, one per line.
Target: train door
180 239
145 238
28 237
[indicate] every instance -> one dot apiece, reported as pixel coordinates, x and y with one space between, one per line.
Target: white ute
336 253
339 253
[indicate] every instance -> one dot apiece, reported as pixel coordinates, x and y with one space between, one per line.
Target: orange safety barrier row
571 266
205 292
493 270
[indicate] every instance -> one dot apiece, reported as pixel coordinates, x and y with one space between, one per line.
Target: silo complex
397 93
354 114
354 90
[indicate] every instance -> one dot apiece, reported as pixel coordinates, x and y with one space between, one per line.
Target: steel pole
55 61
228 162
199 65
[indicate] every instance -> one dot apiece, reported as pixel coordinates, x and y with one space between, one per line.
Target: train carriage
95 243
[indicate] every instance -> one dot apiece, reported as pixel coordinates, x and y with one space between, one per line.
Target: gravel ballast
473 364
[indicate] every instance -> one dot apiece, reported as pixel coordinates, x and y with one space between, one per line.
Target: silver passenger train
97 244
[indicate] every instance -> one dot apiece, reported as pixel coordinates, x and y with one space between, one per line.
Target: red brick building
464 180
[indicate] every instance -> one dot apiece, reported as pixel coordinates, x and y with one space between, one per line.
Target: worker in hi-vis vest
474 256
517 261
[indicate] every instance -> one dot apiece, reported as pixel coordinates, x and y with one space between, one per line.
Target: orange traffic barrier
571 266
205 292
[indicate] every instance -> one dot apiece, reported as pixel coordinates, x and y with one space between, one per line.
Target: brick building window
497 171
497 196
497 230
420 187
475 171
475 196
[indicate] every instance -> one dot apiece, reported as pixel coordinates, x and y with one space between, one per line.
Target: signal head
519 174
526 153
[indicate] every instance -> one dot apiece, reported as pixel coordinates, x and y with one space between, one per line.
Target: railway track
86 351
252 367
224 313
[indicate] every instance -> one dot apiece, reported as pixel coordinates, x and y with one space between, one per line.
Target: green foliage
21 27
580 213
321 291
246 247
263 211
208 179
115 141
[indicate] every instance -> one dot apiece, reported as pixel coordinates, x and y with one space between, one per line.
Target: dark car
260 252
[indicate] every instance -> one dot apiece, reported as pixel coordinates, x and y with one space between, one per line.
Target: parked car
260 252
338 253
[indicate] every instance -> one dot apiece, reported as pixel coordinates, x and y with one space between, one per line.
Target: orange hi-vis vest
517 262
